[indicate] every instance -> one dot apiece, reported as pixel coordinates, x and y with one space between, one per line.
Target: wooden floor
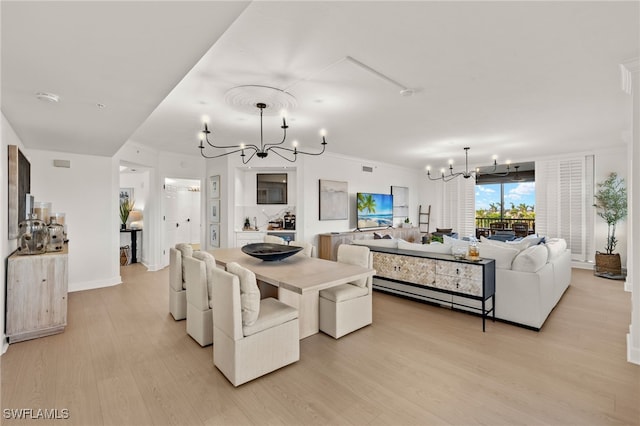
124 361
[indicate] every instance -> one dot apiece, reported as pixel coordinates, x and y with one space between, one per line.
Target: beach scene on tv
375 210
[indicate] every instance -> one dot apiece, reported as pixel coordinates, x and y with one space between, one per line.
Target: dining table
298 280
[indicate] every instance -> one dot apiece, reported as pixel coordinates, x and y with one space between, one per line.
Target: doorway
181 216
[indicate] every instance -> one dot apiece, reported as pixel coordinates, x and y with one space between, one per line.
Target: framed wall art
215 211
19 170
334 200
214 186
214 235
126 194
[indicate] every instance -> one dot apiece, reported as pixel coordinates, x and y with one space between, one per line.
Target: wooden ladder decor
424 218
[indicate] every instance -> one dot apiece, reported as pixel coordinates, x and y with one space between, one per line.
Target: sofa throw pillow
503 255
210 265
429 248
530 259
455 242
555 246
518 245
249 293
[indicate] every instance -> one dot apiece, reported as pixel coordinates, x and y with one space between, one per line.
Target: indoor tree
611 203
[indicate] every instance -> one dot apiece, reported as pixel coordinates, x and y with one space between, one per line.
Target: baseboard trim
633 354
5 344
628 285
152 268
90 285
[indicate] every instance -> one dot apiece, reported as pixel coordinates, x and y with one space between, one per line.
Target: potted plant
611 205
125 208
407 223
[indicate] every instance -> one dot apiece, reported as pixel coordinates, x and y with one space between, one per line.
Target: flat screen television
374 210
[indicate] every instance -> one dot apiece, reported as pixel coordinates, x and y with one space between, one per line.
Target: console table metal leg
484 314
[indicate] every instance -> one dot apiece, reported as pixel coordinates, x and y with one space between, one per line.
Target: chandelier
467 174
248 151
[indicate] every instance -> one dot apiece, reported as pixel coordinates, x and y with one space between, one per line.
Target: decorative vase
32 236
56 235
123 226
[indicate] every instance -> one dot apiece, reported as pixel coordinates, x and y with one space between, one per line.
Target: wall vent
62 163
367 169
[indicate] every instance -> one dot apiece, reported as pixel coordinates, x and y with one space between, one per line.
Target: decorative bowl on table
270 251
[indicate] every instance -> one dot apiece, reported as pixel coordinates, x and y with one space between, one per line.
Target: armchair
348 307
246 344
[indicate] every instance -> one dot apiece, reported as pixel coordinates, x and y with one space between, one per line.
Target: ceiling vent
367 169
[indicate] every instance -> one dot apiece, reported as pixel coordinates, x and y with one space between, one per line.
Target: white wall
85 194
341 168
8 137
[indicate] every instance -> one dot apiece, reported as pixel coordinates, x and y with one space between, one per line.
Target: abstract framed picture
126 194
334 200
214 235
215 211
214 186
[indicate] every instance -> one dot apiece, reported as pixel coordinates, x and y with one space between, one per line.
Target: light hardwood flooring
124 361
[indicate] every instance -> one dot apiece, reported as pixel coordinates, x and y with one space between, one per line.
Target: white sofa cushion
454 242
503 255
434 247
210 265
556 247
249 293
530 259
518 245
382 242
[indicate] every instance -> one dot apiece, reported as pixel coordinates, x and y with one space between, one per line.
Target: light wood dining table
298 279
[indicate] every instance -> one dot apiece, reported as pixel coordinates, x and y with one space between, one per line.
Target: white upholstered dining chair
348 307
307 248
251 337
198 277
177 292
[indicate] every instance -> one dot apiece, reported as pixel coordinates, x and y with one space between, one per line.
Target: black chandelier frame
261 151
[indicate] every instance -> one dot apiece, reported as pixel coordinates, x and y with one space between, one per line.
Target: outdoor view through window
505 202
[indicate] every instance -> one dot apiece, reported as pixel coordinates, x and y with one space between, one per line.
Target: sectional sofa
531 274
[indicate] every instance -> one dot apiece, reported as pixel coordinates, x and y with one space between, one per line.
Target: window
507 199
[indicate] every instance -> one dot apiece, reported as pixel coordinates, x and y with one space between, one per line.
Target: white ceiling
516 79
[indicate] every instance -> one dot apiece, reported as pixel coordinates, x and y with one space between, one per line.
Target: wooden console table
436 278
328 243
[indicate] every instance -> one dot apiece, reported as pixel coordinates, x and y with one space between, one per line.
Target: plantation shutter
458 206
564 198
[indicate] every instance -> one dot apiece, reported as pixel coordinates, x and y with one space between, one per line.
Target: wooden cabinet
249 237
328 243
436 278
36 295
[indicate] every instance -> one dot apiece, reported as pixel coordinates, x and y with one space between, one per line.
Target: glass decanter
33 236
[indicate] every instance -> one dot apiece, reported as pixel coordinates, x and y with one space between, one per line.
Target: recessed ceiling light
48 97
407 92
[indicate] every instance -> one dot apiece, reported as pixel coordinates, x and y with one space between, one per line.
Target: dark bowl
270 251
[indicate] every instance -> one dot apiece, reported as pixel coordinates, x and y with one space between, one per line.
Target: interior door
181 214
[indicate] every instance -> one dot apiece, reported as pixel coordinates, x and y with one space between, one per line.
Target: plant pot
608 263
